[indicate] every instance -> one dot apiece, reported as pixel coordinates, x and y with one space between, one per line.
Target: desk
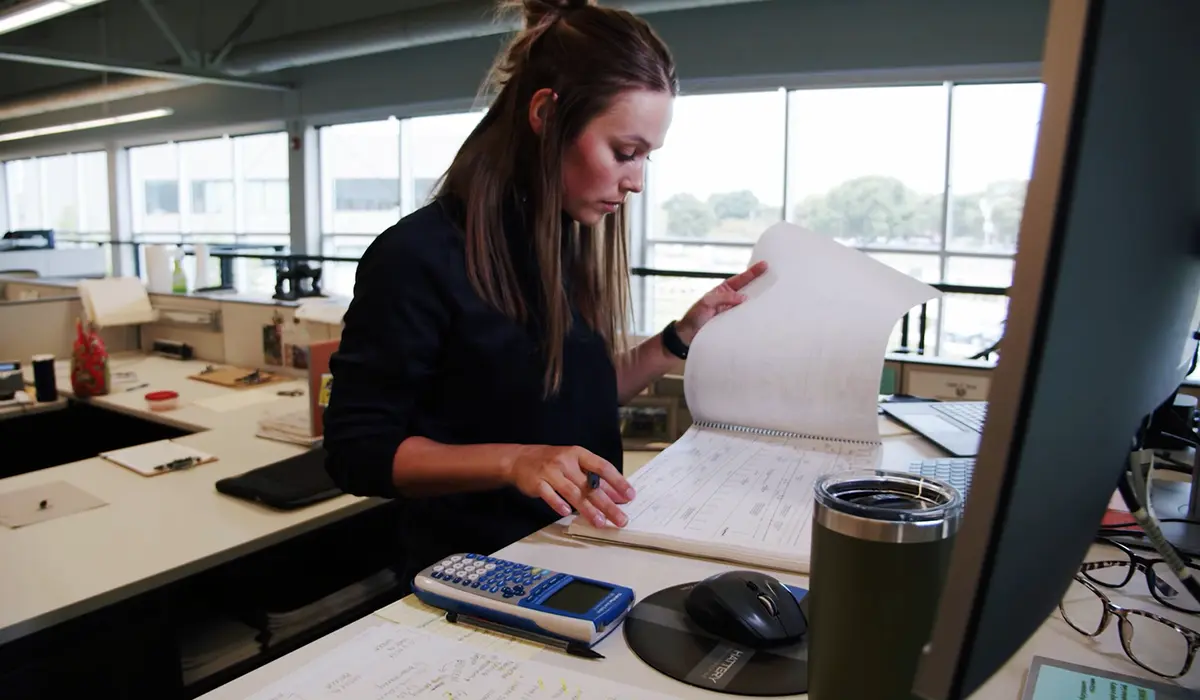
154 531
25 409
647 571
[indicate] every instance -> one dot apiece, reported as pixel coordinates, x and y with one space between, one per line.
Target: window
266 200
707 202
263 198
373 173
229 191
366 194
867 165
991 158
162 197
429 145
928 179
66 193
212 196
360 177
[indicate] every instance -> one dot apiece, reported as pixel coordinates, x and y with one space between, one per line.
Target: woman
481 369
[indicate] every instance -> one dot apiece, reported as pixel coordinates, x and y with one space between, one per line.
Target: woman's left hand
721 298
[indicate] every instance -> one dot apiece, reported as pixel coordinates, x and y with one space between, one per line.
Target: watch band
673 343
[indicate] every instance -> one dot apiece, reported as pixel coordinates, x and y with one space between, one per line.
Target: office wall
771 39
47 325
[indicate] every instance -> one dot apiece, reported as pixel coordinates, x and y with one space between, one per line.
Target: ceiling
124 30
102 52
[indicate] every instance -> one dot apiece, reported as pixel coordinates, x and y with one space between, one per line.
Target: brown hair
586 55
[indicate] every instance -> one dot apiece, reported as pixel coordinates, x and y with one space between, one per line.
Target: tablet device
1058 680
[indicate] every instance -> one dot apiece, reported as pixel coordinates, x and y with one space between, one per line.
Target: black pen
573 648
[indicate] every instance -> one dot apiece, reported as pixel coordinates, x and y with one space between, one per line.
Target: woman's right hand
558 476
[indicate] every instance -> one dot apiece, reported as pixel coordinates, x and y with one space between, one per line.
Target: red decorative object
89 363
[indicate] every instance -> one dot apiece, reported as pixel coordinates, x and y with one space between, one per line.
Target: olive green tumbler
881 542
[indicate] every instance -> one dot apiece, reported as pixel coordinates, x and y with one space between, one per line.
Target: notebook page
804 352
396 661
732 496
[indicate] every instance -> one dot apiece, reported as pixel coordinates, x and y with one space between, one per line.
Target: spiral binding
771 432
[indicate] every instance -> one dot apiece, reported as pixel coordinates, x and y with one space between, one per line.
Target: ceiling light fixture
27 13
90 124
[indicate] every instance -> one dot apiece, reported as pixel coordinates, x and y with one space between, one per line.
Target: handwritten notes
397 661
412 612
732 496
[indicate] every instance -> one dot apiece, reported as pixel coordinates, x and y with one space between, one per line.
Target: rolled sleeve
390 342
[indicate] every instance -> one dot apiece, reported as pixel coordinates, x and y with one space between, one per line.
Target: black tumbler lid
887 506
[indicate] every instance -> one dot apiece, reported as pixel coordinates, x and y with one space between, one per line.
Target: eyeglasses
1164 585
1155 643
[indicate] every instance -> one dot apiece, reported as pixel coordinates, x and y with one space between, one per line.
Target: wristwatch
673 343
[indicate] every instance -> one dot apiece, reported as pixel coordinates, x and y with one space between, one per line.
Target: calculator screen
577 597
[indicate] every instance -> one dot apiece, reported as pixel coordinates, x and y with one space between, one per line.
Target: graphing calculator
541 601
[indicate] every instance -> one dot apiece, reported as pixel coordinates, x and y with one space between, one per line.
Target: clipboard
159 457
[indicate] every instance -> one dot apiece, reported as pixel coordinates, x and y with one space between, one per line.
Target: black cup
45 384
881 543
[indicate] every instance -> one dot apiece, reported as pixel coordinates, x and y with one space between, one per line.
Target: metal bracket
185 57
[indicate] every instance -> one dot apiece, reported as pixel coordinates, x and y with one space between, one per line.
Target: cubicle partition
47 326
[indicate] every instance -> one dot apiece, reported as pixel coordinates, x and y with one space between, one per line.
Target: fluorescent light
29 13
90 124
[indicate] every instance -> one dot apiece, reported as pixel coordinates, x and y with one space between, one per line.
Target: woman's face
608 160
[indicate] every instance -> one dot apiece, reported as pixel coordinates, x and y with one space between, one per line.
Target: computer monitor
1102 310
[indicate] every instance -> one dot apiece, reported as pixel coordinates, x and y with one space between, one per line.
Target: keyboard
955 471
971 414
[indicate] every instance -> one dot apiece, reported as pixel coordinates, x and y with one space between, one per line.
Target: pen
593 480
181 463
572 648
139 386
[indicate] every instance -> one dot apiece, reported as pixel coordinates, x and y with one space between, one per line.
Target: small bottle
179 282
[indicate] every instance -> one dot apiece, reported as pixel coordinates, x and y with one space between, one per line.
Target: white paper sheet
804 353
412 612
732 496
233 401
394 661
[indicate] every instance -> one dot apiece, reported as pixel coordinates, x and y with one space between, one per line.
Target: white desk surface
25 409
153 530
647 571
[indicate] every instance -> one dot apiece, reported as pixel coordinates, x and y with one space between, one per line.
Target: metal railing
227 253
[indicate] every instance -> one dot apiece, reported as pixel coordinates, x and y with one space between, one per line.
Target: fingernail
564 511
622 520
630 493
599 520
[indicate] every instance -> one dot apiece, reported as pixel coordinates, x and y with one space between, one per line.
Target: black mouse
747 608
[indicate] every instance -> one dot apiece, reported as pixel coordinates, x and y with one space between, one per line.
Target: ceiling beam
24 54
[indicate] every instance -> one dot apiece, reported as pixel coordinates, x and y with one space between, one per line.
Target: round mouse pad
660 633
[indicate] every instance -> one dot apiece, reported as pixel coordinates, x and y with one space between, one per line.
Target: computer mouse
747 608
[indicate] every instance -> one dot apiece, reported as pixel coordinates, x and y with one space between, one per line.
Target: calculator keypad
497 577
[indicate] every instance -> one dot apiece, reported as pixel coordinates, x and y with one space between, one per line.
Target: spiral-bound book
782 389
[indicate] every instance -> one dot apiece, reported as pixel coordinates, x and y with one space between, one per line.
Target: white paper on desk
152 458
395 661
732 496
116 301
782 388
240 399
412 612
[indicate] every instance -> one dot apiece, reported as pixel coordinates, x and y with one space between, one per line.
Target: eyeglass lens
1156 646
1116 568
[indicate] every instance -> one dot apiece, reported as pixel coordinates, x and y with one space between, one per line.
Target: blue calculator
514 595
